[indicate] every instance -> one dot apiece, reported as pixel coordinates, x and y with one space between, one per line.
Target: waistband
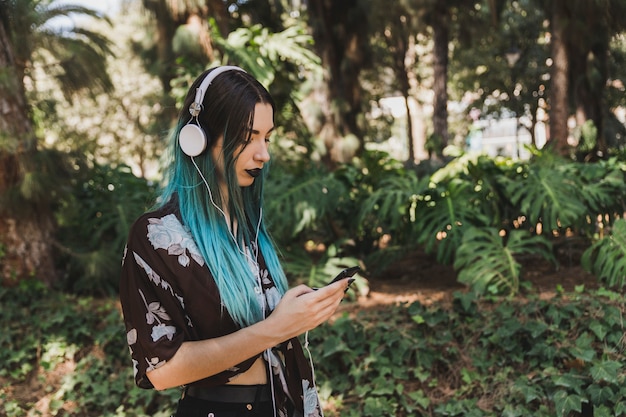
231 393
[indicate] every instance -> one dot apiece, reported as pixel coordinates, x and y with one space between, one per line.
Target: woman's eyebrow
256 132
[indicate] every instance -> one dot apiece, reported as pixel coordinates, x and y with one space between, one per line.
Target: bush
94 224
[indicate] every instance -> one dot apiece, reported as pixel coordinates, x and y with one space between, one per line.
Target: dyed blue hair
228 110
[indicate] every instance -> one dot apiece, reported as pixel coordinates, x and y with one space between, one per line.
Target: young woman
205 301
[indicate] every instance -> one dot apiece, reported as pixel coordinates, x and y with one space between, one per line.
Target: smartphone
346 273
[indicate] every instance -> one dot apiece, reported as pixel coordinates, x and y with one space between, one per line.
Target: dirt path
418 277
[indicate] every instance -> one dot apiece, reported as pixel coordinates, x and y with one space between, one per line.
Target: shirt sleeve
154 314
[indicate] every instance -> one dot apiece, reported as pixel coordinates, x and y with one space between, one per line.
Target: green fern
295 203
257 49
603 188
391 201
443 213
606 258
549 195
487 262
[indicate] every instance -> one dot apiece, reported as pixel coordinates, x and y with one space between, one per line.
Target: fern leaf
549 195
606 258
443 212
295 204
602 182
392 200
487 262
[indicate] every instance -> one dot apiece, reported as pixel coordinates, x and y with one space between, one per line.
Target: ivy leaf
600 394
568 381
530 392
565 403
606 371
598 329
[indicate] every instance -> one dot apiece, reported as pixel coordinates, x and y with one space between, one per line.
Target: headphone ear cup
192 139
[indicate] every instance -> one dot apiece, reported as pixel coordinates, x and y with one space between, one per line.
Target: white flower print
272 295
311 402
169 234
154 363
131 337
156 313
161 330
154 277
155 310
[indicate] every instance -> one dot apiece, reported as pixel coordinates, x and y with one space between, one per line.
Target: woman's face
251 157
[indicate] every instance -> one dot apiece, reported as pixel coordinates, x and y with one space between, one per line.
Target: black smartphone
346 273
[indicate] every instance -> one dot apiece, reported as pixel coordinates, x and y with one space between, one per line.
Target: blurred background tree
73 58
85 112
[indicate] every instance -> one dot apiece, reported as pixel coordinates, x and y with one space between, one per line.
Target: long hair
228 111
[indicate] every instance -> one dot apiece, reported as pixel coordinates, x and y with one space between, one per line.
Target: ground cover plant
65 355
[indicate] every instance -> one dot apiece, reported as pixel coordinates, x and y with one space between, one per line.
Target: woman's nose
262 152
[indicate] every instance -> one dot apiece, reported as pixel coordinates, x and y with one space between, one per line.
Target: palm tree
75 58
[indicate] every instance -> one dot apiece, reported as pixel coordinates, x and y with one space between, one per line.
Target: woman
204 298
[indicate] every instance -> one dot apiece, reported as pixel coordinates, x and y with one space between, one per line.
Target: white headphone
192 139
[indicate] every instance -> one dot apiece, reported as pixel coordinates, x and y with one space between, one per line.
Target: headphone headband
196 106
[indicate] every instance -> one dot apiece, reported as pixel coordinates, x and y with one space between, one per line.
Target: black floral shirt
168 296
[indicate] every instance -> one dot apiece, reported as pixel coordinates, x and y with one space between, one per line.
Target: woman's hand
302 308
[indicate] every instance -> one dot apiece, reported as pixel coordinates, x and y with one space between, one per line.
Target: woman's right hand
302 308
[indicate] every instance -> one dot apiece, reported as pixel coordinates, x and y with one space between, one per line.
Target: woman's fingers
302 308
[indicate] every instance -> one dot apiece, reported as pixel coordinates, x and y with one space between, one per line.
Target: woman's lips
254 172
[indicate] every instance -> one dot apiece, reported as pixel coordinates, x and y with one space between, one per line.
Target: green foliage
548 195
297 202
602 187
74 56
473 198
258 49
46 175
456 212
487 261
606 258
323 220
94 224
375 207
442 213
388 204
514 358
45 334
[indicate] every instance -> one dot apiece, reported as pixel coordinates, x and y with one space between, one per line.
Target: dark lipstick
254 172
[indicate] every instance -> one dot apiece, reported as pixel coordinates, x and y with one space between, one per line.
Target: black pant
193 407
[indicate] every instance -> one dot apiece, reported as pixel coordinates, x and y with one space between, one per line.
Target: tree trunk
25 232
398 41
217 10
340 34
165 28
440 25
588 63
559 104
